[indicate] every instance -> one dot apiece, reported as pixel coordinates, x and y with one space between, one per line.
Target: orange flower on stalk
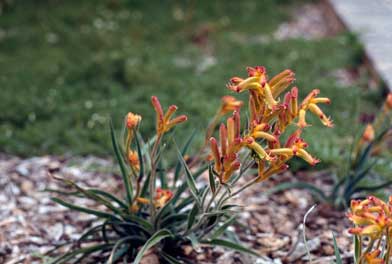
163 121
295 146
372 217
229 104
132 120
162 197
225 159
133 160
310 103
368 134
373 257
258 84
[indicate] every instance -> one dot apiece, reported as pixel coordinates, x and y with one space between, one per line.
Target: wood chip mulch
31 224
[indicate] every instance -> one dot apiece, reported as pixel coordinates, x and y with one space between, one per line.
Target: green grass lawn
66 67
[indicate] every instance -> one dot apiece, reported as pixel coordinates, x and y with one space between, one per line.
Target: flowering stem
153 175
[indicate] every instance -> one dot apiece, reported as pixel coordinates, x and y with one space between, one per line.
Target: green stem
153 176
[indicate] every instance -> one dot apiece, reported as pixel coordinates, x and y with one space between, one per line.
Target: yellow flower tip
256 71
368 133
303 154
132 120
327 121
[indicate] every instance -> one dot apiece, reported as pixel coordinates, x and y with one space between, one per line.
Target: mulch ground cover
272 225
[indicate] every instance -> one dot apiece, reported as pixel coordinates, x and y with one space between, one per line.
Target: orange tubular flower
257 81
372 218
132 120
162 197
295 146
310 103
225 160
229 104
373 257
368 134
388 103
163 121
133 160
269 116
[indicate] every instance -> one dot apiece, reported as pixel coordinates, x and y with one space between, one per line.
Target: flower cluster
372 218
164 123
269 116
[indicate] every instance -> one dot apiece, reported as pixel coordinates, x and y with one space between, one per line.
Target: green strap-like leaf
220 230
113 257
85 251
170 259
155 239
124 173
173 218
231 245
90 232
336 249
189 178
183 186
192 216
140 156
161 213
162 174
357 248
84 210
183 152
211 179
373 188
109 196
91 195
